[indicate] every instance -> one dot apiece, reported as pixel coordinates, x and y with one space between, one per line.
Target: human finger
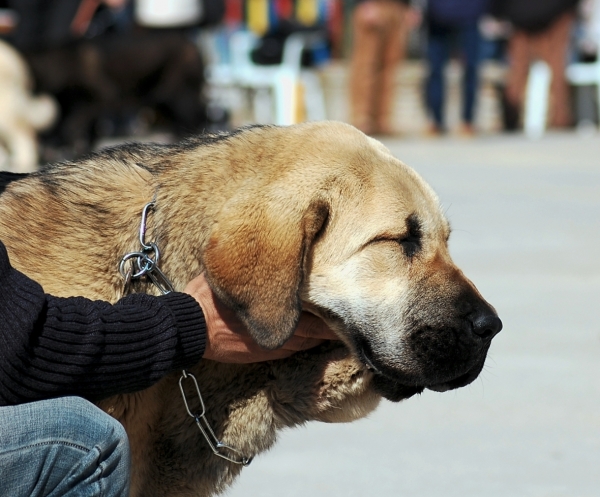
311 326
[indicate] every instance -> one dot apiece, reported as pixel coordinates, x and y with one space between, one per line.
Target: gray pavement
526 230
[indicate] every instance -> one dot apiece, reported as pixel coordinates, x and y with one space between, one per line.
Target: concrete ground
526 230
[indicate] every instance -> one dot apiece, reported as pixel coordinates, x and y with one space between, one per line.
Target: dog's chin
392 390
395 392
460 381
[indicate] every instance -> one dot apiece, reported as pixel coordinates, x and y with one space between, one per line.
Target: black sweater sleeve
52 346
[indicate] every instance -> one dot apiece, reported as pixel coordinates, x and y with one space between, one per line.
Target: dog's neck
179 228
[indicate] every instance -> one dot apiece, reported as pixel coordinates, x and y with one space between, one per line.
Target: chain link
219 448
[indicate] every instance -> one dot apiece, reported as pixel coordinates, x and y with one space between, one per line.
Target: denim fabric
62 447
440 42
456 12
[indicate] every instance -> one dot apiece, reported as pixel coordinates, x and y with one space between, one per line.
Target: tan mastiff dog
314 217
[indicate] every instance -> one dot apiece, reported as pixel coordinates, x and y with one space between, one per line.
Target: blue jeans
62 447
440 40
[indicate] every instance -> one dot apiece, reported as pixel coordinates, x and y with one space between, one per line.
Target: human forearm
51 346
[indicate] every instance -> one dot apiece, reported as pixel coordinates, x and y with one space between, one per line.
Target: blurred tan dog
315 217
22 115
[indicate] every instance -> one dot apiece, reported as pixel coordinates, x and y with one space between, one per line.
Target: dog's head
341 228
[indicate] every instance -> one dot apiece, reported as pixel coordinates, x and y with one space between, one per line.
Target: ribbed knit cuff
190 323
17 287
4 262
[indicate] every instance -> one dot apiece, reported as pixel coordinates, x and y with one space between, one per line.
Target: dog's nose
486 325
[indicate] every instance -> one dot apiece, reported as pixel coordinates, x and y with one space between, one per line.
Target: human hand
228 340
115 4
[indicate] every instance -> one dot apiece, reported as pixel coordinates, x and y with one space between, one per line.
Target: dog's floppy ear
255 261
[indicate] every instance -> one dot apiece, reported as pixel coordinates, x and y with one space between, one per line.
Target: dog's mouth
395 386
385 386
394 390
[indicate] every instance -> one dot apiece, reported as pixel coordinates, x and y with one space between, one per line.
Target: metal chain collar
145 262
135 265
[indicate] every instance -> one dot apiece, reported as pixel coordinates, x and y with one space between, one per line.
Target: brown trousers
380 35
549 45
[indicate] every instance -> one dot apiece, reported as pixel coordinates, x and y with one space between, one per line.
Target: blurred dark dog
113 83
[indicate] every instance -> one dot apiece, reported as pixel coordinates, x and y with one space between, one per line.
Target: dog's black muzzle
444 348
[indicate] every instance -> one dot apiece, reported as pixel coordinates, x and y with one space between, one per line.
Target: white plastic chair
282 80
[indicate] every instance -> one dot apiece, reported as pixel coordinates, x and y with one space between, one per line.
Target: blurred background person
380 31
449 23
541 31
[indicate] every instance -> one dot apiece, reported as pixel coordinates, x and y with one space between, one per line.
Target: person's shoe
466 130
433 131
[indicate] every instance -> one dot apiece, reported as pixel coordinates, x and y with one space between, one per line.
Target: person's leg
553 47
438 50
519 57
63 447
365 65
394 48
470 42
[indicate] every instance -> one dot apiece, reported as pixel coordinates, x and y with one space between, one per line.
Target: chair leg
537 94
286 97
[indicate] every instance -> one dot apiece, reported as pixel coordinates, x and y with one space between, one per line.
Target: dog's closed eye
411 241
410 245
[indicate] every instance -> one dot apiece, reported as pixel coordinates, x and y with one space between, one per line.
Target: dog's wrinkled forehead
389 199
